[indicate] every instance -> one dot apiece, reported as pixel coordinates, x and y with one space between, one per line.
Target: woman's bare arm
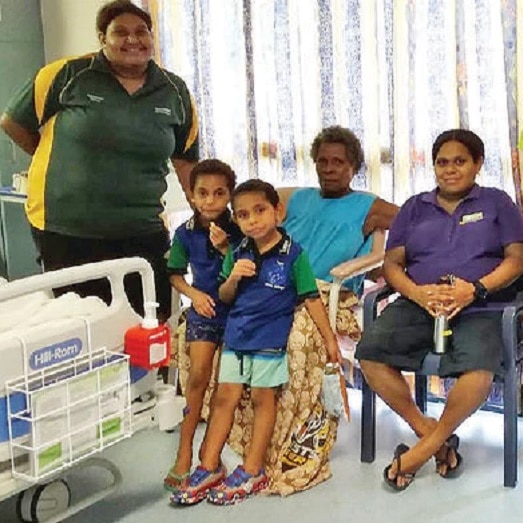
285 193
25 139
380 216
183 170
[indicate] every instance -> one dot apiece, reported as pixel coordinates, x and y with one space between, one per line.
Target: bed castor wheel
43 502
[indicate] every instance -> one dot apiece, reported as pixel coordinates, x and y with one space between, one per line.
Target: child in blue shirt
201 242
265 277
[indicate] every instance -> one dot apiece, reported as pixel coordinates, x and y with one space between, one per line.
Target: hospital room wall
69 27
21 54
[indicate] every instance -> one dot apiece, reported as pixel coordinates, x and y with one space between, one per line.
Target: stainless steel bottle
442 330
442 333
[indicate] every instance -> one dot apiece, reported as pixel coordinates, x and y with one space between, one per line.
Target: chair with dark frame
512 356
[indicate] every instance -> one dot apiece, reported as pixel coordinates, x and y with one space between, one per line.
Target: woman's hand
434 298
463 295
445 299
203 304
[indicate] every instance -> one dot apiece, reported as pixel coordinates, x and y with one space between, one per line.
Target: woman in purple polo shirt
476 234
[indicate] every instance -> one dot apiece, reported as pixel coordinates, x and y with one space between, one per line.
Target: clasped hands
443 298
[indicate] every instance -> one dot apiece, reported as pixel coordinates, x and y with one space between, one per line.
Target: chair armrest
335 289
371 301
362 264
353 268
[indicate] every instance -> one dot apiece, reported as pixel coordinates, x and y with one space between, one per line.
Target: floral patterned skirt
298 455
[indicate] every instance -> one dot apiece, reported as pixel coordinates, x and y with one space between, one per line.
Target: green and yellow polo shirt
99 170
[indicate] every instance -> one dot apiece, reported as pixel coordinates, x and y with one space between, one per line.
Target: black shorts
403 335
58 251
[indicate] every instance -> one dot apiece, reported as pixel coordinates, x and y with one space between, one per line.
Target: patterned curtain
267 75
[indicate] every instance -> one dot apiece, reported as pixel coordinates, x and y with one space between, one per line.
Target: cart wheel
42 502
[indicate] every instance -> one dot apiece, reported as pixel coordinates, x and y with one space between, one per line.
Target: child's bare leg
201 357
211 410
264 403
225 400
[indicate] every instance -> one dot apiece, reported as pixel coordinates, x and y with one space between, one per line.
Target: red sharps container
148 344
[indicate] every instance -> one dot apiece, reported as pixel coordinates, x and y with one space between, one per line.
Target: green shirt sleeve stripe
21 107
178 258
48 84
187 145
192 139
38 99
303 276
227 265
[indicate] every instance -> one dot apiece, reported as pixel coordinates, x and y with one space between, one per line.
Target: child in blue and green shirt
201 243
264 278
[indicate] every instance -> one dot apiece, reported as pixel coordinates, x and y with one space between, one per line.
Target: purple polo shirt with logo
468 243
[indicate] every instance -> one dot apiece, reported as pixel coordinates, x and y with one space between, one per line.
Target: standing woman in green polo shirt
101 129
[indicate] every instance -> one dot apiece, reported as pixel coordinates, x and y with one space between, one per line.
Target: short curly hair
212 166
338 134
108 12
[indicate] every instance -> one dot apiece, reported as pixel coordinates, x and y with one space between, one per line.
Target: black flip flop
452 443
393 483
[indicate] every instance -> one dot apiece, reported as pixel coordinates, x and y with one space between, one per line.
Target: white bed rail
113 270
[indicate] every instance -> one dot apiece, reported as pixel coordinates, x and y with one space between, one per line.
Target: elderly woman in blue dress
334 225
476 234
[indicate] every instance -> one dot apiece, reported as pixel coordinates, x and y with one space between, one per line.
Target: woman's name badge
471 218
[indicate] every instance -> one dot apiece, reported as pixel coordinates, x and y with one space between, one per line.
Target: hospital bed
67 390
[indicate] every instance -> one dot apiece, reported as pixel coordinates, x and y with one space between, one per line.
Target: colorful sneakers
237 487
196 488
174 481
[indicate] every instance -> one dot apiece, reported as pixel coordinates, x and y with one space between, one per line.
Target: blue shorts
257 369
204 331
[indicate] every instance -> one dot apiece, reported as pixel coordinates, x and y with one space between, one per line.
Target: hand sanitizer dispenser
148 344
